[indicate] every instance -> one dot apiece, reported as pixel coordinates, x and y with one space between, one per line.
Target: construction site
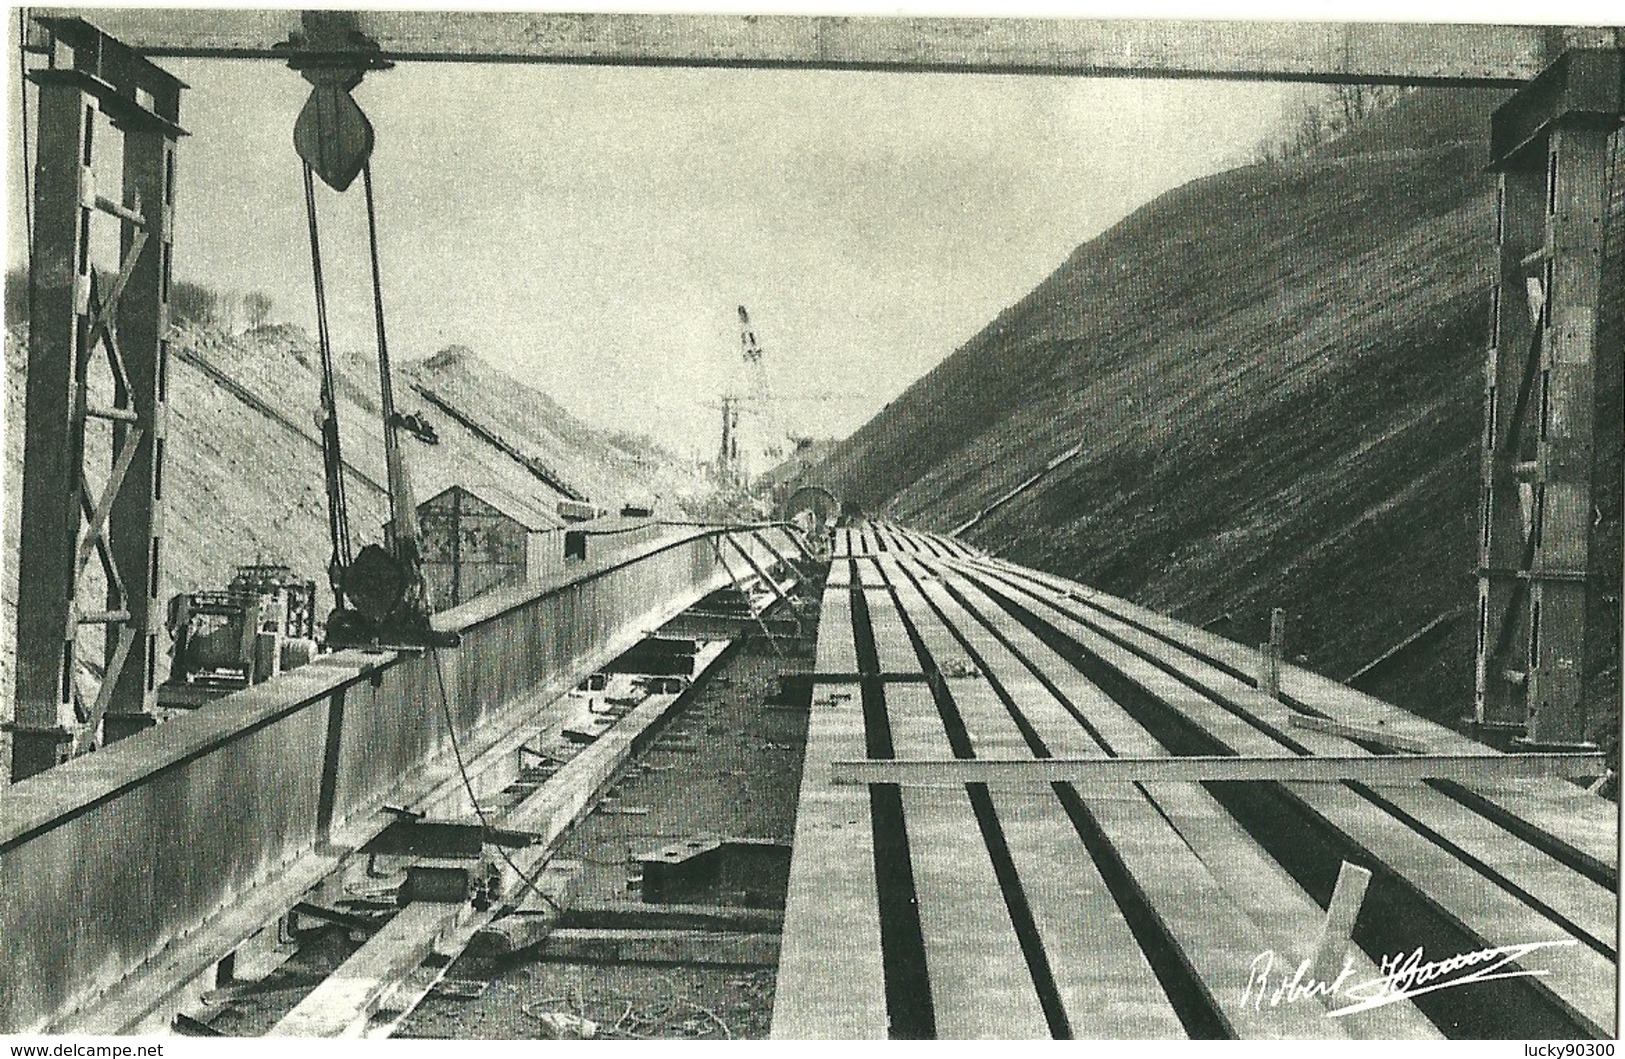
1222 642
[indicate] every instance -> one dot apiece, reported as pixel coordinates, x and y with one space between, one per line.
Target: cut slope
243 479
1275 377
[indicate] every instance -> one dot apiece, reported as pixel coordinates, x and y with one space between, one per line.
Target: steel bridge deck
1138 910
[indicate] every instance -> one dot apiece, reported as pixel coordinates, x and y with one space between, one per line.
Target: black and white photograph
790 524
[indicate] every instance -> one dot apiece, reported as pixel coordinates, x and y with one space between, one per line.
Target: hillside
243 479
1275 375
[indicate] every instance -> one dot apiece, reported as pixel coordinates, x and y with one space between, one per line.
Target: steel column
1543 421
1504 518
53 434
143 323
1567 426
71 517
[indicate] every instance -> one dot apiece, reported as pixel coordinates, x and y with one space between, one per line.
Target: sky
590 230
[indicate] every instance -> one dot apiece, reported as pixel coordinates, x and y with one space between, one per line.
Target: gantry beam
1329 52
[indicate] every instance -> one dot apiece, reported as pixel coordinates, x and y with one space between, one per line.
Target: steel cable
337 502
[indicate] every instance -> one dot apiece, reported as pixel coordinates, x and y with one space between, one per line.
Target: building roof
533 513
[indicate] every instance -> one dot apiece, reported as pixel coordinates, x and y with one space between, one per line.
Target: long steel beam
1332 52
167 849
1376 771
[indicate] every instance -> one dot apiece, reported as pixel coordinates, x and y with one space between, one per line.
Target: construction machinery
262 623
379 594
764 448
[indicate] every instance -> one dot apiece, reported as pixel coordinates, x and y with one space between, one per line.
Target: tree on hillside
256 309
1355 103
193 303
1321 120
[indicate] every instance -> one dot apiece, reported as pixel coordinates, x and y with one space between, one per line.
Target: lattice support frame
80 326
1543 421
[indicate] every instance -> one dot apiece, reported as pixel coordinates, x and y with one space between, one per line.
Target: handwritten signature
1398 977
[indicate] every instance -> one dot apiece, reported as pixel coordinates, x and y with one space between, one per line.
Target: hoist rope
385 383
22 102
337 508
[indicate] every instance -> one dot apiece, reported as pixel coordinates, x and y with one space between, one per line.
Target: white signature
1398 977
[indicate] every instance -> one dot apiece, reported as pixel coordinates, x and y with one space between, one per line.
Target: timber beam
1327 52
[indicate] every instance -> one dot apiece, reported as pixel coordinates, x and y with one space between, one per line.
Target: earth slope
1275 376
243 479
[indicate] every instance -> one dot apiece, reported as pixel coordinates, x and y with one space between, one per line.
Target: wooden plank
1587 824
981 987
840 574
893 647
622 915
1590 908
341 1004
951 547
1493 914
1274 901
1214 935
832 910
1250 878
1582 978
836 651
689 947
1106 986
1377 733
867 571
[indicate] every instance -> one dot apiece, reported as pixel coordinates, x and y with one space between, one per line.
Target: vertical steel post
1545 425
1502 640
136 522
53 433
1565 422
75 317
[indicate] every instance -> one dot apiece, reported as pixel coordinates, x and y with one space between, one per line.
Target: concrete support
1543 421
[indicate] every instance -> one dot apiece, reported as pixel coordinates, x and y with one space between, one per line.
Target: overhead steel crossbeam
1547 431
1329 52
65 517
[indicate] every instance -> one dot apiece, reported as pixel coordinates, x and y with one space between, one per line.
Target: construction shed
476 542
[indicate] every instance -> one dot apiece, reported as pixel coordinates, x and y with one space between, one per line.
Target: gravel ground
742 782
